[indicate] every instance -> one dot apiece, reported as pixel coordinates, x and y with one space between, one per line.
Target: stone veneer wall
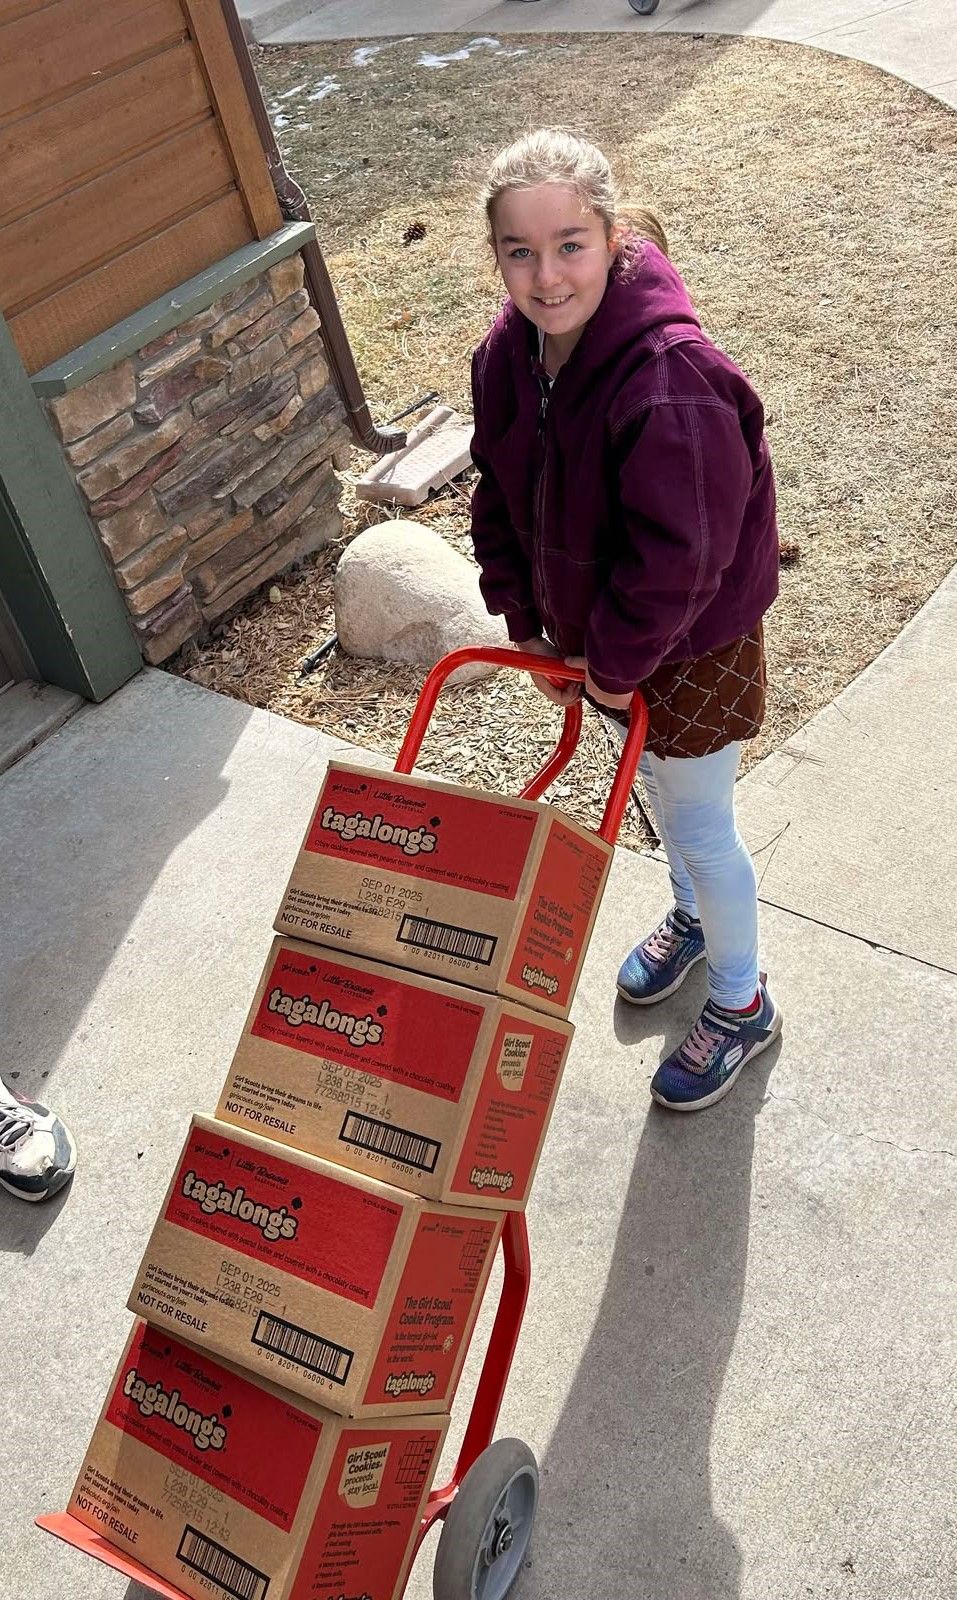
207 460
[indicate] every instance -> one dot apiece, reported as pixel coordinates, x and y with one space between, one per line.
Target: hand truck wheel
644 8
489 1524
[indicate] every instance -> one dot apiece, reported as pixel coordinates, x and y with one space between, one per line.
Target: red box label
510 1111
367 1514
378 1024
216 1425
467 842
330 1233
552 941
427 1326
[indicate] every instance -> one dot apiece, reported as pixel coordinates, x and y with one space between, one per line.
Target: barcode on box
445 940
385 1139
306 1349
220 1566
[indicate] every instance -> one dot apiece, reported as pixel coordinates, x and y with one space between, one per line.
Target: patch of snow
523 51
367 52
437 63
280 122
287 94
322 90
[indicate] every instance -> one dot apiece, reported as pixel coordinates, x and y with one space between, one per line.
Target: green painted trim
170 310
56 583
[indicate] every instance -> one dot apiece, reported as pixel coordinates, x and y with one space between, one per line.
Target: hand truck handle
560 672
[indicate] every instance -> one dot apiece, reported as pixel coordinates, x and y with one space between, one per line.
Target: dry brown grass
811 208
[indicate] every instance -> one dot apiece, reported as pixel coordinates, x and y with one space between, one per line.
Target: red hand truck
488 1506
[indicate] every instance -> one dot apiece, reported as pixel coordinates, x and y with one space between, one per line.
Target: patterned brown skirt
697 707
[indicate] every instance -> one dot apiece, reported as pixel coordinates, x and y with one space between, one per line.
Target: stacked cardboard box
495 893
437 1089
313 1276
326 1239
228 1486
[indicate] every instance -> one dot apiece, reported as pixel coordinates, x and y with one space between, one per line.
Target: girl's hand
560 694
614 702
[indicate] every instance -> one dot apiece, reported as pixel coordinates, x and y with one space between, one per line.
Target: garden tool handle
560 672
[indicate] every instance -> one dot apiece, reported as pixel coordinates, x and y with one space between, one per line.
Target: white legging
712 873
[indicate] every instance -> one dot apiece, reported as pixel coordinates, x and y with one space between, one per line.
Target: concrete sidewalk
853 822
738 1367
916 39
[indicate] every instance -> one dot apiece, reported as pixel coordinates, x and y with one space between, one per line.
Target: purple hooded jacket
632 520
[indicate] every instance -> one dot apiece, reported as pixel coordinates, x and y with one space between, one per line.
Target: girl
625 515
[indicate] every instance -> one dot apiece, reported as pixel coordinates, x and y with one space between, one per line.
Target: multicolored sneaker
659 965
37 1153
705 1066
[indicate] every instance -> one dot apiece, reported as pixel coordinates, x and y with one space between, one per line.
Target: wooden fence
128 161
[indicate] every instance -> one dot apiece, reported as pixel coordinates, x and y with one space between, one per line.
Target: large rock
403 594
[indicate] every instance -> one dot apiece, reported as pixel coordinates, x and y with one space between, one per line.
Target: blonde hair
553 155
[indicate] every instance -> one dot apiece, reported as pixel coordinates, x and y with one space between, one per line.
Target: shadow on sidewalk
626 1506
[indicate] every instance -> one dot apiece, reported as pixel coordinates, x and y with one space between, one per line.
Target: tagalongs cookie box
438 1089
456 883
348 1291
226 1486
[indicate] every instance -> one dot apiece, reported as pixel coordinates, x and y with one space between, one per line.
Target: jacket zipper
538 527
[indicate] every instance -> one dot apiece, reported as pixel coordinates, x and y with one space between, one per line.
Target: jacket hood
644 295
